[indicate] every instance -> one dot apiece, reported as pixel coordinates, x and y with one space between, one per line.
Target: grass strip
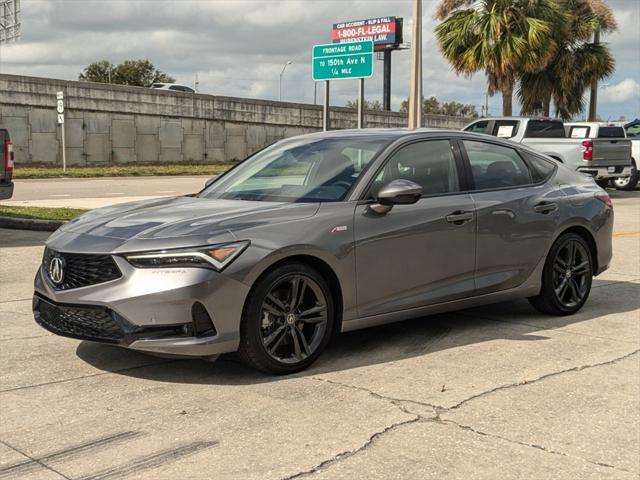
23 172
41 213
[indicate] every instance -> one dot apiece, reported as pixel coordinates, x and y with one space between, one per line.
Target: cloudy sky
238 47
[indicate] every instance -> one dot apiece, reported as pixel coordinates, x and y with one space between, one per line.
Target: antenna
9 21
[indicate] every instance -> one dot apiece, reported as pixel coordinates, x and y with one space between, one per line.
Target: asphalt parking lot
496 392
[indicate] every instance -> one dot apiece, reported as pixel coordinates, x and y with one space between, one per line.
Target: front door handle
459 217
545 207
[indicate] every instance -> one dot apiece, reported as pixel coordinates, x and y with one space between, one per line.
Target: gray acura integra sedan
323 233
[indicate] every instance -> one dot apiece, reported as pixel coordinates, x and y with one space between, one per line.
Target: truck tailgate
611 152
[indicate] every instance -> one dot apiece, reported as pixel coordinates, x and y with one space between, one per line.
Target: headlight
216 257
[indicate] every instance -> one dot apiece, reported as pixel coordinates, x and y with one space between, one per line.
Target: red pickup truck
6 164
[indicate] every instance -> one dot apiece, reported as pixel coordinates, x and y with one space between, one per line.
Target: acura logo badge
56 270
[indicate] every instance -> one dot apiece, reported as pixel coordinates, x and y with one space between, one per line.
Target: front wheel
287 321
630 182
566 278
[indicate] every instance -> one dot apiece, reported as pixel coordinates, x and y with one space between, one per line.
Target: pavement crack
525 444
350 453
543 377
397 402
33 459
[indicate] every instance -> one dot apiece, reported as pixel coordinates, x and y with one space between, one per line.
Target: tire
603 183
630 182
283 332
562 267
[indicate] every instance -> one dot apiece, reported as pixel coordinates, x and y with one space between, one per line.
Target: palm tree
575 64
501 37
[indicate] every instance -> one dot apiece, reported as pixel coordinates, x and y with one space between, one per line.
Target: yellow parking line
627 233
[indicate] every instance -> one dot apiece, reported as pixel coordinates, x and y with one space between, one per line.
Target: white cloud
628 90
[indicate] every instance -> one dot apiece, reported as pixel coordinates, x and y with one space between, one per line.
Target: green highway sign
341 61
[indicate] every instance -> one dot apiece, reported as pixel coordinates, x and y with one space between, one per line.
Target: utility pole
593 100
386 81
415 90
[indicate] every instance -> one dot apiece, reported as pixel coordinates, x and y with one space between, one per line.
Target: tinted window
544 129
633 130
430 164
495 166
611 132
505 128
541 169
478 127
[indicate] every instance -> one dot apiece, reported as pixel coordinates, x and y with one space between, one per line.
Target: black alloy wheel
567 277
287 321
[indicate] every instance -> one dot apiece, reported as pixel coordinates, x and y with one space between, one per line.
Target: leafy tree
575 63
368 105
99 72
501 37
432 105
141 73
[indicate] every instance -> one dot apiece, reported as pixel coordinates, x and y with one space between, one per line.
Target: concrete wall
111 124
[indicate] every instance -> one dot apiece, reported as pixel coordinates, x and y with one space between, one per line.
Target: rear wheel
630 182
566 278
287 321
603 183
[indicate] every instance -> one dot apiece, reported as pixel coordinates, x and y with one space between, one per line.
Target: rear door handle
545 207
459 217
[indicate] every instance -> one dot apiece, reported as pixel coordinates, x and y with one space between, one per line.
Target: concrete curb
19 223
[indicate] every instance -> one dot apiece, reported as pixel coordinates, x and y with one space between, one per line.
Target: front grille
90 323
81 270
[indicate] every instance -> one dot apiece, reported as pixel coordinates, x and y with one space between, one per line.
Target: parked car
632 129
612 132
6 164
328 232
176 87
603 157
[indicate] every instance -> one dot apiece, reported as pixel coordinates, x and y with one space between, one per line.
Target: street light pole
280 84
415 90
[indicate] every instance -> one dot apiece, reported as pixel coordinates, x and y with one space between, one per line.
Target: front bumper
601 173
149 310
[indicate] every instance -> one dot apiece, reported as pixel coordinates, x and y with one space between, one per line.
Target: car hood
184 216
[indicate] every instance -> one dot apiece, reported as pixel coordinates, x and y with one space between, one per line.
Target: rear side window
544 129
611 132
579 131
505 128
495 166
541 169
478 127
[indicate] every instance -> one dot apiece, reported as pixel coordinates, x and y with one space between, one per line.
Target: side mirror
396 192
209 181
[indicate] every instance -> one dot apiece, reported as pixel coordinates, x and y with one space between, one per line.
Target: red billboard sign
384 32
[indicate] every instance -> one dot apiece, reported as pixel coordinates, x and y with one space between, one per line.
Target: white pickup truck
604 158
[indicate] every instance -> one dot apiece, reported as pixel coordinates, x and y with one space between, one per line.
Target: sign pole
64 151
415 91
325 109
361 103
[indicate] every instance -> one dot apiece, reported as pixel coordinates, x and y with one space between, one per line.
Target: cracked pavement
493 392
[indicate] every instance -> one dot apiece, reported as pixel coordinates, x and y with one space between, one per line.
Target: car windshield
299 170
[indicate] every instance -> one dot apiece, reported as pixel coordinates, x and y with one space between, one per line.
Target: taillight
605 198
8 155
588 150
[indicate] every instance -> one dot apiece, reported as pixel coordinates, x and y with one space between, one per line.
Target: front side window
430 164
299 170
495 166
478 127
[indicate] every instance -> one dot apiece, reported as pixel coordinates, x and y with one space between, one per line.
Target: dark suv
6 164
